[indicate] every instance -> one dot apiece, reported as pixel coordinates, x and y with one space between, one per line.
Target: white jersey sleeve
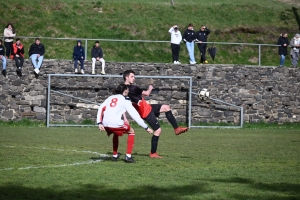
135 115
101 110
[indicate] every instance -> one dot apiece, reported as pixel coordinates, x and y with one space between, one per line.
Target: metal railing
153 41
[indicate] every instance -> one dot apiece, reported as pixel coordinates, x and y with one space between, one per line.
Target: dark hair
120 89
1 41
190 25
18 39
12 27
37 39
126 73
97 42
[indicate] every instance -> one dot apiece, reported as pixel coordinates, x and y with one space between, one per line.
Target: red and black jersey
140 104
135 93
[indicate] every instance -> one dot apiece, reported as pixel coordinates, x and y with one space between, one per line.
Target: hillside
239 21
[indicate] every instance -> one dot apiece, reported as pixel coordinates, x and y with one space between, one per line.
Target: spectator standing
36 54
295 43
9 34
283 41
175 43
78 54
2 57
201 39
188 38
18 54
97 55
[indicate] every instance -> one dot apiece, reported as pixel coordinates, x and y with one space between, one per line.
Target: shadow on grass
146 192
289 190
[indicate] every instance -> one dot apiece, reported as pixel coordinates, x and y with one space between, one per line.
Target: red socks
130 143
115 144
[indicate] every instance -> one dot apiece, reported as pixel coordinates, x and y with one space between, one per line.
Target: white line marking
56 166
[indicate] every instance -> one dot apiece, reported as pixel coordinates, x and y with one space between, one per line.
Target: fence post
259 54
86 47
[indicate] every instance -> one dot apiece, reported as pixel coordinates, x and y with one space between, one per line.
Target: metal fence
153 41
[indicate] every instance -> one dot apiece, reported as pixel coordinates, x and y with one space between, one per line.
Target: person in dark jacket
189 37
283 41
97 55
201 39
2 57
36 54
78 54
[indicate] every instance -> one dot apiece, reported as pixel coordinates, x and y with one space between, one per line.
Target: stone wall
269 94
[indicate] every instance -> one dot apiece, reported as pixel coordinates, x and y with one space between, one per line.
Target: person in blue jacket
78 54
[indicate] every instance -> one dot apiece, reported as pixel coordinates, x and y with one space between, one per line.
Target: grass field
71 163
241 21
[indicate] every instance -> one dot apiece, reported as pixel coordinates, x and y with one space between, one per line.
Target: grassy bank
240 21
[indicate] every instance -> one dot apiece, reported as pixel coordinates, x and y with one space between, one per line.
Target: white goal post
188 78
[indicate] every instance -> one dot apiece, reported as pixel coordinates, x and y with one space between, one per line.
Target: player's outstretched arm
135 115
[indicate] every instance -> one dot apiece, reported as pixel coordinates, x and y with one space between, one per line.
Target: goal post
49 91
189 105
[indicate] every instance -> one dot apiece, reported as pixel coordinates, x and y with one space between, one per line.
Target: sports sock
154 143
115 144
171 119
128 155
130 143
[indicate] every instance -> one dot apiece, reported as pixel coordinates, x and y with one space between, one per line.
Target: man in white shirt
109 118
175 43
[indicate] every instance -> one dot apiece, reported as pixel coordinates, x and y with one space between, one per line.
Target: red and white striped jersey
111 110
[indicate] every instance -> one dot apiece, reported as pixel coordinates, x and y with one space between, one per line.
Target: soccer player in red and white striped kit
109 118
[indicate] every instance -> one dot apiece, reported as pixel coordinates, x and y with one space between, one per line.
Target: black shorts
156 109
151 119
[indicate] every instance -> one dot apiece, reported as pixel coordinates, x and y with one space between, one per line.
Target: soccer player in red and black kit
150 112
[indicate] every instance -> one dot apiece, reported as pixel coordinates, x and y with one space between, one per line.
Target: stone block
7 114
39 109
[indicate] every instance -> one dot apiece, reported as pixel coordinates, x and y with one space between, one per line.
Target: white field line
55 166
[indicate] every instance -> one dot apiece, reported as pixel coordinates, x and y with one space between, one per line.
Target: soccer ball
203 94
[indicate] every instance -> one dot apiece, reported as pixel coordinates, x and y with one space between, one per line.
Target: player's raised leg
169 115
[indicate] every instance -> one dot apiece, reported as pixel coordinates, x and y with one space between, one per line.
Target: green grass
47 163
241 21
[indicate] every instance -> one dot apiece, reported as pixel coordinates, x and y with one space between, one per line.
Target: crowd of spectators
15 51
189 37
